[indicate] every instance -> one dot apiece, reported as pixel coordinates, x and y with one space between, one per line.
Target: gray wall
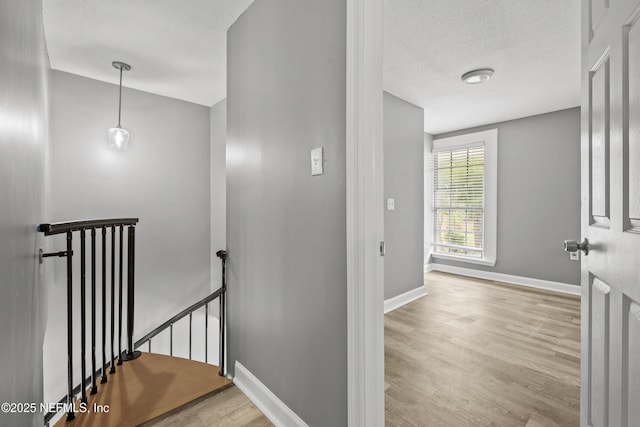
24 155
538 196
163 179
403 181
286 229
218 202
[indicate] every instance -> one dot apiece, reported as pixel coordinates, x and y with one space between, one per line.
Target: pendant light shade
119 137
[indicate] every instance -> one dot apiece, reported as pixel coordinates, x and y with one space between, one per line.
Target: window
459 201
464 197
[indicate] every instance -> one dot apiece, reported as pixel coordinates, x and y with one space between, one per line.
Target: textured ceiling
178 49
534 47
175 48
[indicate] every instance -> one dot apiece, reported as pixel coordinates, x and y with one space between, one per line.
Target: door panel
632 364
631 60
597 9
600 118
610 194
599 384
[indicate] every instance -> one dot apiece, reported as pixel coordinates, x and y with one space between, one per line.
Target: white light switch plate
391 204
317 159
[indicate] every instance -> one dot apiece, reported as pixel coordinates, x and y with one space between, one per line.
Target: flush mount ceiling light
477 76
119 137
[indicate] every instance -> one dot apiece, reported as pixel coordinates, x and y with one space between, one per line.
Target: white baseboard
272 407
507 278
428 268
402 299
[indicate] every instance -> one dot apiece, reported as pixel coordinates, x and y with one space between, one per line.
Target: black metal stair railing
69 228
220 293
92 226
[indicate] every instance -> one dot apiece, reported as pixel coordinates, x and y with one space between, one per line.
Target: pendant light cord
120 98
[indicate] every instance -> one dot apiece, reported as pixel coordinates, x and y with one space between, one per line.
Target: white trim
473 139
403 299
365 219
481 261
272 407
529 282
444 144
428 268
490 139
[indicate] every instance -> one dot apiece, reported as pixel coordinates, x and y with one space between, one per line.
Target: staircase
147 388
135 387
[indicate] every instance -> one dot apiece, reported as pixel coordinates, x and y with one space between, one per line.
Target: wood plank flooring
471 353
480 353
228 408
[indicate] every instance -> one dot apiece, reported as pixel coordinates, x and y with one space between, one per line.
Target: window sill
481 261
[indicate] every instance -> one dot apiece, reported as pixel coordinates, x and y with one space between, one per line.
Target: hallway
471 353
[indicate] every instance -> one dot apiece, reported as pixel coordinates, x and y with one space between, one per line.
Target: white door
610 393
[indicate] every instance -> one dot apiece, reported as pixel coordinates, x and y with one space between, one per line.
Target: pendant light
119 137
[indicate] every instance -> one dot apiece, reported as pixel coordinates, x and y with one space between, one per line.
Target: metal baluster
104 305
223 297
206 329
171 339
149 345
120 298
190 322
83 315
70 414
113 297
131 353
94 388
223 256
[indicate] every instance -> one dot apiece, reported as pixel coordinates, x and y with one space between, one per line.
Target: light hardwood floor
228 408
471 353
480 353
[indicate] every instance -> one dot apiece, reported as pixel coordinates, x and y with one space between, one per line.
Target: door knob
574 246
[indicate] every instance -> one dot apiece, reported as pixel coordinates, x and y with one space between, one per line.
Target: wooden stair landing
146 388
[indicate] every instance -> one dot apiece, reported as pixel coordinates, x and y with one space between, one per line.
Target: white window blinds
458 201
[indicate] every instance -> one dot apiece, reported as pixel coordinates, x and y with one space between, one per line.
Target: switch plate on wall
317 158
391 204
